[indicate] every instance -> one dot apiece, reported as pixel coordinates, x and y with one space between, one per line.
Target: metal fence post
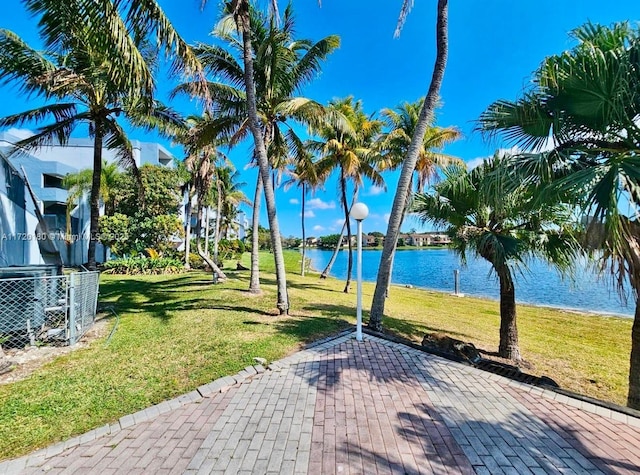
72 309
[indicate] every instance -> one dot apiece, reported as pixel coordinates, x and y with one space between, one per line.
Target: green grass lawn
180 331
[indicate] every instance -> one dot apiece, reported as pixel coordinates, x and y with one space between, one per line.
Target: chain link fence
37 307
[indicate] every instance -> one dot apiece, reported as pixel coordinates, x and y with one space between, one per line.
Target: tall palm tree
484 216
97 67
585 106
280 67
305 175
351 151
409 164
402 122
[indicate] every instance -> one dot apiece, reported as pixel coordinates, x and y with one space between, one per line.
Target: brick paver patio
346 407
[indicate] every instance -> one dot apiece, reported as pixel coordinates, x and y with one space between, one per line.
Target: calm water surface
540 284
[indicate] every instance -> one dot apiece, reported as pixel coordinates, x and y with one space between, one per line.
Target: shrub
143 265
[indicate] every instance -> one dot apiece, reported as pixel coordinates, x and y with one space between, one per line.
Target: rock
452 346
260 361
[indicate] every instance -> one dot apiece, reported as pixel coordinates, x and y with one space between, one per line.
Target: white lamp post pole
359 212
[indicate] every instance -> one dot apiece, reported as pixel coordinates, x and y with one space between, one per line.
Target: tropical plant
201 163
350 150
304 174
160 187
395 144
79 184
143 266
409 164
262 68
584 105
98 65
504 225
228 196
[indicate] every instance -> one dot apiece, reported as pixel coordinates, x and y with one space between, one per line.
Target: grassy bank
177 332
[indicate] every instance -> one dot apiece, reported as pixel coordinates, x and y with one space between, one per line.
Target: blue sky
495 45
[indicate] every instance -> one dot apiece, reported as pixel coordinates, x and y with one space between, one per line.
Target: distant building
425 239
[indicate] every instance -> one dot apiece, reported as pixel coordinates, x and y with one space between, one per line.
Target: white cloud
309 214
336 226
476 162
294 201
317 203
375 191
20 133
318 228
473 163
386 217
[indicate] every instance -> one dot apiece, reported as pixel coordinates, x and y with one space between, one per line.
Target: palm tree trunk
217 272
345 205
254 281
304 238
94 200
187 231
206 230
243 22
327 269
216 232
509 347
633 398
408 167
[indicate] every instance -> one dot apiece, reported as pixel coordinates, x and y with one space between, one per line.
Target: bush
143 265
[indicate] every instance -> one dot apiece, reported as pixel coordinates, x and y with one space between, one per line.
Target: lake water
539 284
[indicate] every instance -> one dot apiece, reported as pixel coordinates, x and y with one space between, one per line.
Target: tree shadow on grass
163 297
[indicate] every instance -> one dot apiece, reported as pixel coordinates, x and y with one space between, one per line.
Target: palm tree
79 184
99 63
280 67
409 164
402 122
585 105
305 175
351 151
201 163
486 217
228 196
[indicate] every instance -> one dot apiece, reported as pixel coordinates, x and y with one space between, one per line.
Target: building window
52 181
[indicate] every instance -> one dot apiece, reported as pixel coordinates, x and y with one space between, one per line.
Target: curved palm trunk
408 167
216 231
243 21
345 205
327 269
217 272
187 231
304 237
633 398
94 200
509 347
254 281
206 230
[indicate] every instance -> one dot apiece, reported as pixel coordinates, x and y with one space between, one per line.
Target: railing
45 309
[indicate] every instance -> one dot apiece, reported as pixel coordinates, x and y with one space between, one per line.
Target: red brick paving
345 407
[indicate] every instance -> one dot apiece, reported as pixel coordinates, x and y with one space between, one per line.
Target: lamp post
359 212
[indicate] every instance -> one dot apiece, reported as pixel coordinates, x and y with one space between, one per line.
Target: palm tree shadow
446 435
